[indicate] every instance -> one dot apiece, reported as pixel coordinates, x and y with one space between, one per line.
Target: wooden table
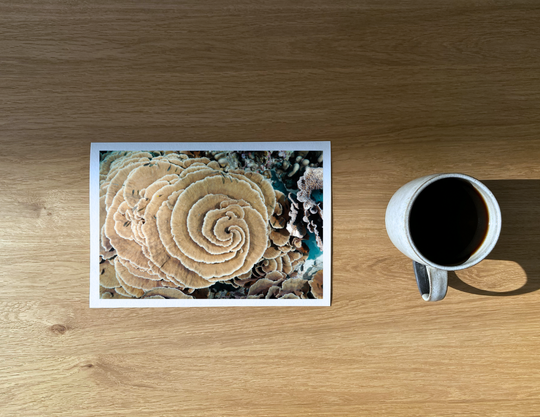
401 88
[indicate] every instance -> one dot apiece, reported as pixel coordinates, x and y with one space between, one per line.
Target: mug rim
486 247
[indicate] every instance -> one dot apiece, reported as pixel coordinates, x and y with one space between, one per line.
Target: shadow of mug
518 242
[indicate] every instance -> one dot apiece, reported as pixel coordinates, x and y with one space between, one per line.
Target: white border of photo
96 148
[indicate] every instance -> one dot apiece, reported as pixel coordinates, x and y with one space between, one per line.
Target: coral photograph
211 225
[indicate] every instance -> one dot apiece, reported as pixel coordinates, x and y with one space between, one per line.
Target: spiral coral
171 223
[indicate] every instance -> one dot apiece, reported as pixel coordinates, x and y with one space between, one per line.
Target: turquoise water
278 185
314 251
317 196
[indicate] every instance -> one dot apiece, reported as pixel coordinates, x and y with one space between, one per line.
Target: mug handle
432 282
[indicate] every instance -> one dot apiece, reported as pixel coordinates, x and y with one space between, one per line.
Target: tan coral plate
210 224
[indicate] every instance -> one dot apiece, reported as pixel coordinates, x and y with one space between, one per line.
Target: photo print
210 224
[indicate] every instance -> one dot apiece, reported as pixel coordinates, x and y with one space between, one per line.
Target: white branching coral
313 212
171 224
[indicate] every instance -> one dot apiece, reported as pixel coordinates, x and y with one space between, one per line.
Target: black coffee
448 221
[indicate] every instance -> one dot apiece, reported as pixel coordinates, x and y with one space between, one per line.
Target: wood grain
401 88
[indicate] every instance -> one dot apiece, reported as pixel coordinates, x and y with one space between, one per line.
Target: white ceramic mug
432 278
